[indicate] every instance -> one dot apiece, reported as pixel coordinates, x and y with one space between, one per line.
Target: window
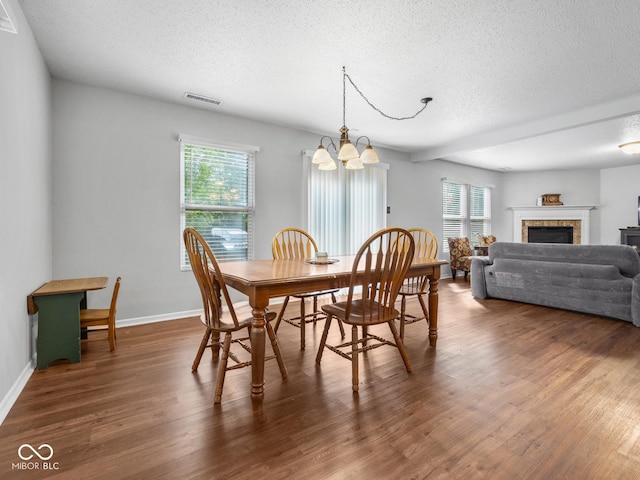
217 196
466 211
345 207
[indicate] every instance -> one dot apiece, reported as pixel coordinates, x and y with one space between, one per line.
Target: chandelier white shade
631 148
347 152
321 156
369 155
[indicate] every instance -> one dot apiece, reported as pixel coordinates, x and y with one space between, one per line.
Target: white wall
619 189
577 187
416 193
614 192
116 191
25 196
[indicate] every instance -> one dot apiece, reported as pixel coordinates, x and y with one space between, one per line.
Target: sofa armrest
478 282
635 301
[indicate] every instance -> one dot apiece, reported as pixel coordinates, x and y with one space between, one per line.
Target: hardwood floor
512 391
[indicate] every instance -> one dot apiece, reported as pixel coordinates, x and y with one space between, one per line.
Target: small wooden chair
460 255
383 261
215 319
426 246
291 243
103 318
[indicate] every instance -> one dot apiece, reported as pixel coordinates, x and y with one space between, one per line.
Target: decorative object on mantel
631 148
551 199
348 153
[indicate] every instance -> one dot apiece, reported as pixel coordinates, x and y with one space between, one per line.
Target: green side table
58 304
58 328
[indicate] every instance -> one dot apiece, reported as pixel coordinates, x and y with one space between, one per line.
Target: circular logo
43 452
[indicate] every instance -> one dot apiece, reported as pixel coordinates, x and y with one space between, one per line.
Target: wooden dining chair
219 316
379 269
290 243
426 246
93 319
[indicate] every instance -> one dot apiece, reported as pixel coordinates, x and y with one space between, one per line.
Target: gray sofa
597 279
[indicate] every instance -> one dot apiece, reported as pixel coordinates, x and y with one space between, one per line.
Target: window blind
217 197
466 212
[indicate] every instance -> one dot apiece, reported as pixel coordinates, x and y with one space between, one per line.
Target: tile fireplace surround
552 216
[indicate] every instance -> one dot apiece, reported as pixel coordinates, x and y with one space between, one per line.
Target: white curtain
345 207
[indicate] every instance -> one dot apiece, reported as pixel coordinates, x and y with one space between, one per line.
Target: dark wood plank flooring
512 391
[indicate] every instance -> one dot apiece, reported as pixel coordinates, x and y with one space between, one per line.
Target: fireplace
571 231
550 234
552 220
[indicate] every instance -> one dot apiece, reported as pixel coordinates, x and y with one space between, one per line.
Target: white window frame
464 214
249 209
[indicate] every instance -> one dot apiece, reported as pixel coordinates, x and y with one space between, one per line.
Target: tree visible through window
217 186
466 212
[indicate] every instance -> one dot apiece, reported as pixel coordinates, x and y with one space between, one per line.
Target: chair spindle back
209 277
426 246
385 259
291 243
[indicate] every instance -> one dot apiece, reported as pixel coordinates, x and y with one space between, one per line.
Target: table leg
83 305
257 338
433 309
215 336
58 328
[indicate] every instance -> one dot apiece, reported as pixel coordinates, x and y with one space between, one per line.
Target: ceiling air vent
201 98
5 20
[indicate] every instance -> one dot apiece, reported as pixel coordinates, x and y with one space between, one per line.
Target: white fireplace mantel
556 212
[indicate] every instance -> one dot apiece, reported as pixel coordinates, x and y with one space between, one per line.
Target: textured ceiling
517 84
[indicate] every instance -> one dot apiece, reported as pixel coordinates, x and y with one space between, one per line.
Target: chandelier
348 152
631 148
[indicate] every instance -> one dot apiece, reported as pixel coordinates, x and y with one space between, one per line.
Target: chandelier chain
345 76
344 97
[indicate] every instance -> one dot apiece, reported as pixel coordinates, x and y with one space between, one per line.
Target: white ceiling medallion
5 20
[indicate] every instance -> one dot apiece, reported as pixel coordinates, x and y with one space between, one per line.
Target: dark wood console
630 236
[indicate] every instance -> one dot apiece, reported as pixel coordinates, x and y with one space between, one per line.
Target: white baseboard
14 392
130 322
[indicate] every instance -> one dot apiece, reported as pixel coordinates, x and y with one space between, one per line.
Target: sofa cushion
590 288
623 257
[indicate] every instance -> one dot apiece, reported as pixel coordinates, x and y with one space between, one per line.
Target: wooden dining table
262 280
